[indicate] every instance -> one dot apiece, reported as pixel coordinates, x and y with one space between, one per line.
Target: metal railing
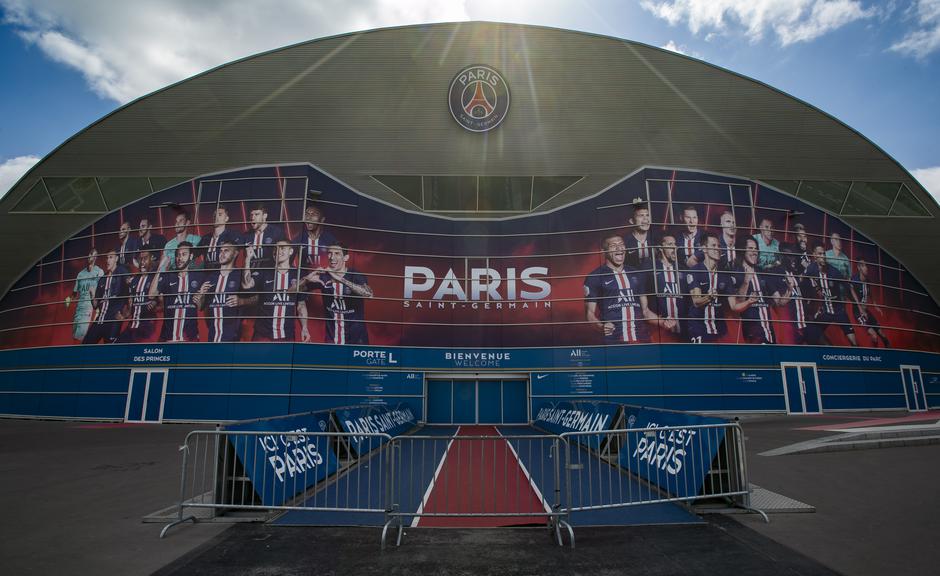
480 480
476 480
630 467
277 470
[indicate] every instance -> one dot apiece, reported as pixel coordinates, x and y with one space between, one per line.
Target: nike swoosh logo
608 282
540 376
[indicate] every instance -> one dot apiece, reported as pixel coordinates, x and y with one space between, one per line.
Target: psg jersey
313 250
617 295
263 243
757 315
140 300
109 294
688 245
224 321
277 304
668 292
827 281
179 309
708 320
210 244
343 310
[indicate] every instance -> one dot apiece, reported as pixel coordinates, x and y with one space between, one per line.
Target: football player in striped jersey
757 292
142 323
108 301
344 292
276 290
223 291
708 288
615 299
175 289
864 304
671 304
827 281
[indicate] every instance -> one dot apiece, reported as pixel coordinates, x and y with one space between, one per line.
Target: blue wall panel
215 381
60 380
731 378
862 402
841 382
104 381
754 403
58 405
101 405
885 383
694 403
195 407
319 382
26 404
691 381
250 407
260 381
634 382
299 404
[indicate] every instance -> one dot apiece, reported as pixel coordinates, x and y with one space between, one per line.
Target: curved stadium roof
374 103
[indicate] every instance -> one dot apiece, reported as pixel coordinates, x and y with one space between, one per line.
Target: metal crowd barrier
631 467
226 470
436 479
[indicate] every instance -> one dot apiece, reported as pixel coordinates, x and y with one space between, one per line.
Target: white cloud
926 39
791 20
12 170
680 49
929 179
127 49
673 47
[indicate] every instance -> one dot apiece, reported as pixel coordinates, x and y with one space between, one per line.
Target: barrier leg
176 522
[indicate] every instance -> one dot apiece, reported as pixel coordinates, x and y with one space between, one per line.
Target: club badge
478 98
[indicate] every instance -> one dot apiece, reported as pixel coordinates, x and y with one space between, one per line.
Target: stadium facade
474 219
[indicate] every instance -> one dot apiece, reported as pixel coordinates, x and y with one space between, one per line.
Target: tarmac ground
74 494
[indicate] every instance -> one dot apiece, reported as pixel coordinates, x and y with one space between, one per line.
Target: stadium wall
430 296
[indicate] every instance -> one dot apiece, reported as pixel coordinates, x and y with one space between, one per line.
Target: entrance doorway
146 394
914 394
459 399
801 387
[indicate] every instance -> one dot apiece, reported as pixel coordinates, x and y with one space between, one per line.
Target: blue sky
873 65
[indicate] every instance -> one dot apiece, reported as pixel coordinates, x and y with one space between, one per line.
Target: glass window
544 188
36 200
827 195
501 193
788 186
120 191
408 187
75 194
908 205
450 193
871 198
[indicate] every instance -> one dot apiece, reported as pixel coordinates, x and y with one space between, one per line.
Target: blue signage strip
676 460
282 465
391 420
561 417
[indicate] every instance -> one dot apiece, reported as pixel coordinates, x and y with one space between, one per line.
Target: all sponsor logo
478 98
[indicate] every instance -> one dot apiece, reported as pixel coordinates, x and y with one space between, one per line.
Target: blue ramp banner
374 420
286 461
670 454
561 417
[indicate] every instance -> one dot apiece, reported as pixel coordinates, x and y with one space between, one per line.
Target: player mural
287 254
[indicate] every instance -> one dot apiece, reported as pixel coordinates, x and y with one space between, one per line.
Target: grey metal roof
375 103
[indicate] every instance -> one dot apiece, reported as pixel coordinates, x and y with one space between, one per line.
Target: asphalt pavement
74 495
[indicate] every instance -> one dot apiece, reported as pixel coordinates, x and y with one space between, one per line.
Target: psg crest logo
478 98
